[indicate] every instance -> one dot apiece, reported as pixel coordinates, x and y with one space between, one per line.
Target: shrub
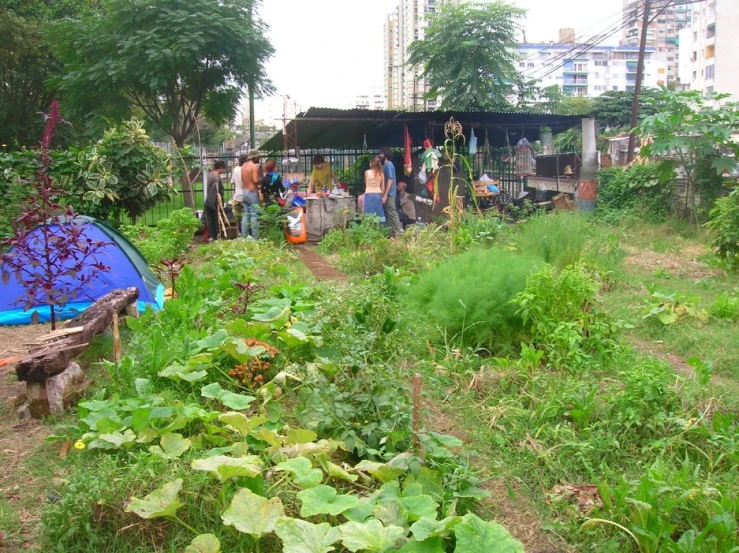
641 190
168 239
469 297
559 238
725 225
559 311
725 306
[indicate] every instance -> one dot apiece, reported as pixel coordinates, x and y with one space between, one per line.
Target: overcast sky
329 51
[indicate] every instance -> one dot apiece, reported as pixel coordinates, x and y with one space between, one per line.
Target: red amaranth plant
59 262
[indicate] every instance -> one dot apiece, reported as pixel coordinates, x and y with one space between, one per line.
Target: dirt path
21 494
317 265
509 507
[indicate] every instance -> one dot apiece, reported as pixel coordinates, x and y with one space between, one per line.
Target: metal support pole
637 86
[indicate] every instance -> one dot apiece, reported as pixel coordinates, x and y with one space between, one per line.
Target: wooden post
417 414
116 339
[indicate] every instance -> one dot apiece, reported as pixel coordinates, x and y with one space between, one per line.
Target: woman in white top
237 199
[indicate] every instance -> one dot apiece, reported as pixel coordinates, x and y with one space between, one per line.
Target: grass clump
469 297
559 239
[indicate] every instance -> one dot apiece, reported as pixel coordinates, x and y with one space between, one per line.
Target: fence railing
348 165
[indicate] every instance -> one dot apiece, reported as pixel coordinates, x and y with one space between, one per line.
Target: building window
695 75
601 63
530 65
709 71
695 35
522 65
615 88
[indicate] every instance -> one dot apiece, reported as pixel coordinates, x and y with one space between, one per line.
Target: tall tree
26 64
467 54
613 108
173 60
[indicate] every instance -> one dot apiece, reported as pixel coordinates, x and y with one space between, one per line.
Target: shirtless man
251 176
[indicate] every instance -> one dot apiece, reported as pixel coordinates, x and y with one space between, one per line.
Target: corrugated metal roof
353 128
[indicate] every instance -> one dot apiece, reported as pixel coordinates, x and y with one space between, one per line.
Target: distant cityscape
691 46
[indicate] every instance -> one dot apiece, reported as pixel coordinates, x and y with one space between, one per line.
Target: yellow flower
79 444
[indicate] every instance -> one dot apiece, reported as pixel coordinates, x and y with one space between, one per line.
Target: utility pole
252 126
637 86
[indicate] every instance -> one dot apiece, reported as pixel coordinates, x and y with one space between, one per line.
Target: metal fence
348 165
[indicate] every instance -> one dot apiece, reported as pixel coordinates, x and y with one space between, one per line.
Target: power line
580 37
580 49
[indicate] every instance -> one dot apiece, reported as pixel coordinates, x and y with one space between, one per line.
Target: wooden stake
116 339
417 415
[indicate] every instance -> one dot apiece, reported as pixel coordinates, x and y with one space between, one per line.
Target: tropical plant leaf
204 543
370 536
304 475
171 446
188 373
160 503
253 514
240 351
475 535
300 536
325 500
212 342
224 467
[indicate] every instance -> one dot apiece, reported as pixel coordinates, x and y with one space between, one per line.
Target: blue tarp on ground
128 268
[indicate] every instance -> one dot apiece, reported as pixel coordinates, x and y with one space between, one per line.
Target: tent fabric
127 268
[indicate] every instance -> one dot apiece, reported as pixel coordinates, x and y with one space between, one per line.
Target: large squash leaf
304 475
300 536
475 535
162 502
230 399
325 500
227 467
370 536
253 514
171 446
204 543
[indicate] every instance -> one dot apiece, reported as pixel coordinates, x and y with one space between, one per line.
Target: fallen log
94 320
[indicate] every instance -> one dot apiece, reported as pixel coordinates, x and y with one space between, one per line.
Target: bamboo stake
417 415
222 219
116 339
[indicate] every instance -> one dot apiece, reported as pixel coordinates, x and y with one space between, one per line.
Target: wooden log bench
53 381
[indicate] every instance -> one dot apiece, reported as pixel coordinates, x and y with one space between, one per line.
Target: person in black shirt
212 191
272 185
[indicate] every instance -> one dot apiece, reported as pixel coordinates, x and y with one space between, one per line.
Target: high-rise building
662 33
711 46
590 72
408 22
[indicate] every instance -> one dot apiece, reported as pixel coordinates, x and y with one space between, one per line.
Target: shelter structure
128 269
323 128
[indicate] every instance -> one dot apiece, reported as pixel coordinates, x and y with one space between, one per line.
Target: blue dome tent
128 268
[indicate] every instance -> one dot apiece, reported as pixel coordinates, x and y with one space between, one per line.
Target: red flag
407 158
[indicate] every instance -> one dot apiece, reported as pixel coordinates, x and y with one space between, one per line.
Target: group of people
254 186
384 196
257 186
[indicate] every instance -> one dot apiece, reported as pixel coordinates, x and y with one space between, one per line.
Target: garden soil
19 441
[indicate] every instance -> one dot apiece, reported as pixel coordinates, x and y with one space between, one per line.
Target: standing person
374 189
251 177
213 190
388 199
321 176
272 185
407 206
237 201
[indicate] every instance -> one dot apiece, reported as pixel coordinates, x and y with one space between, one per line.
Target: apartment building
710 48
663 33
403 85
374 100
589 73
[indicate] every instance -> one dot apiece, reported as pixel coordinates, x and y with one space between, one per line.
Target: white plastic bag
422 176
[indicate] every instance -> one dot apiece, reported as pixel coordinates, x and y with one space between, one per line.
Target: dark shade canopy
356 128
